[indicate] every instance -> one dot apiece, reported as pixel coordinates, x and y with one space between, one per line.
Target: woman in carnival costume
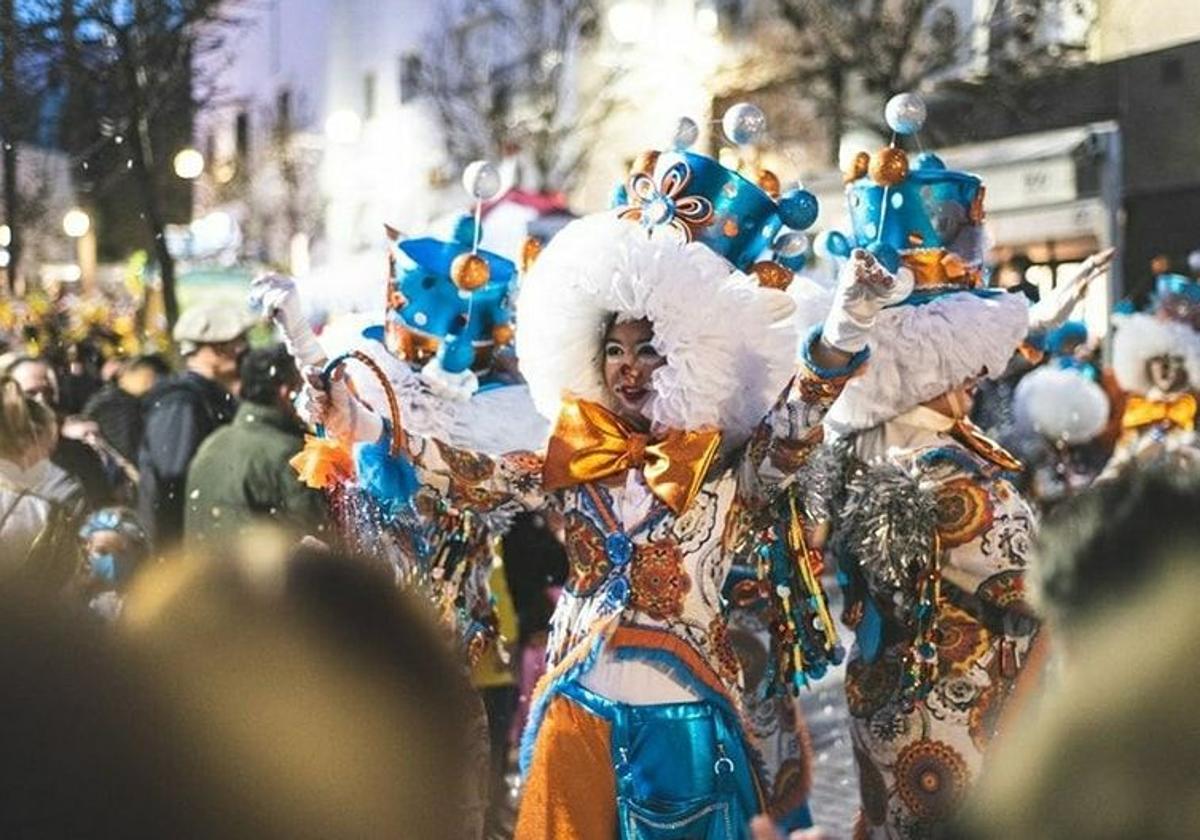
1156 363
933 541
678 409
448 321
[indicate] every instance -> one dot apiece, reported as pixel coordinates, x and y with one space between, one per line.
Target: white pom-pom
1061 404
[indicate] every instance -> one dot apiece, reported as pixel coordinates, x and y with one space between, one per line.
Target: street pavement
834 799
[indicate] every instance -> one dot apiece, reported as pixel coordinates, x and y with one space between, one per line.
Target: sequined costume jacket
662 604
935 662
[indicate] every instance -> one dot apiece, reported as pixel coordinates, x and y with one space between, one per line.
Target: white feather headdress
729 343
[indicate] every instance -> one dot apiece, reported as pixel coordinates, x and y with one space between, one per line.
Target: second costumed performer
659 359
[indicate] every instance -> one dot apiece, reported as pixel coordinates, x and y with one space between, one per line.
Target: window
241 134
410 76
369 95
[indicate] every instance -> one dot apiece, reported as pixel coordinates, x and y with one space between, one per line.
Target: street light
629 21
76 223
5 236
189 164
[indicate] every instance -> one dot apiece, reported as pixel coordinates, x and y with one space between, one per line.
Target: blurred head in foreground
1101 547
1115 751
304 698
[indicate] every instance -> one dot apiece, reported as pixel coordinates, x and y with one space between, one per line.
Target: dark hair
263 371
1108 541
155 361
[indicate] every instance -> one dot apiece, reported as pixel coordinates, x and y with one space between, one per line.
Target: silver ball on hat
481 180
686 134
905 113
744 124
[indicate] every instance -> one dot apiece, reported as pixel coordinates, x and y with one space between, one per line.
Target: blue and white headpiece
448 306
751 224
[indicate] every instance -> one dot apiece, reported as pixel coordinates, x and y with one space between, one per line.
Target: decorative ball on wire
481 180
744 124
769 182
469 272
686 134
772 275
889 166
1193 261
831 244
502 334
905 113
790 244
799 209
857 167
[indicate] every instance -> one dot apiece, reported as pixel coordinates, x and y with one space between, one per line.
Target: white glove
275 295
1055 308
864 287
343 415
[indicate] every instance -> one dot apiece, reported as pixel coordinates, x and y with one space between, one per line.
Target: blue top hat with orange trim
752 224
924 216
448 300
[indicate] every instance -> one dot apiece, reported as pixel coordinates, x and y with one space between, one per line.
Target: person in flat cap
183 410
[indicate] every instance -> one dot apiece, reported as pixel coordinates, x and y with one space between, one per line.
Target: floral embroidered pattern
964 511
931 778
658 582
869 685
721 647
1005 590
961 639
589 562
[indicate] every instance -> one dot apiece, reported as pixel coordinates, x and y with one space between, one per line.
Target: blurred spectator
73 452
80 377
117 406
241 474
1114 752
115 545
183 410
321 702
306 700
37 515
1100 547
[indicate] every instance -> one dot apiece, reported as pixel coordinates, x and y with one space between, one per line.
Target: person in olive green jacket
241 477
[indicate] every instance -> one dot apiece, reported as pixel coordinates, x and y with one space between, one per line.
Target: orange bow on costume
591 443
1179 411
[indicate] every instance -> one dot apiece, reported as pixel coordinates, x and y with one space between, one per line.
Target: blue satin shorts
682 769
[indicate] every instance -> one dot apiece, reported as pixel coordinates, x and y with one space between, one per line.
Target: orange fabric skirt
570 791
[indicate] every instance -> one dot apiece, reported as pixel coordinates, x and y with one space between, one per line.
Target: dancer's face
629 360
1167 373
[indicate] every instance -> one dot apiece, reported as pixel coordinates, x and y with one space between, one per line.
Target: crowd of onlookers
261 695
131 458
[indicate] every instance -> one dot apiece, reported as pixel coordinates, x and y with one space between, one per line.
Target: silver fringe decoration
886 526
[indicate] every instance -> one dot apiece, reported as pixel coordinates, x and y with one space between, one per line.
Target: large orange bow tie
1179 411
591 443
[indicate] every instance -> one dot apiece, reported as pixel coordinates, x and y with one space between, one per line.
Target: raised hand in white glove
864 288
276 296
342 414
